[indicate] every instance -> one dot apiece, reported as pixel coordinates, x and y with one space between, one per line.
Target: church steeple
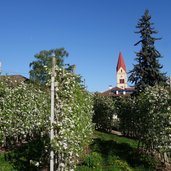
121 73
121 63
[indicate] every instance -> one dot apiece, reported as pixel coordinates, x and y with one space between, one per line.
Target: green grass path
108 152
115 153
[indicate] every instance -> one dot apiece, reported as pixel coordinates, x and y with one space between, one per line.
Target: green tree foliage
24 113
147 70
24 118
104 110
153 107
147 117
73 119
126 111
40 67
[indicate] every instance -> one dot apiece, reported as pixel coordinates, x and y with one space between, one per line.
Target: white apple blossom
25 111
74 110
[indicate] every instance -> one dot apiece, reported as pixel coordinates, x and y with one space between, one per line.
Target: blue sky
92 31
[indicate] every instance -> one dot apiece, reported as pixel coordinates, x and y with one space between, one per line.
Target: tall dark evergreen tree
147 70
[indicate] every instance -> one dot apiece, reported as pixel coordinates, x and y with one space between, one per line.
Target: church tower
121 73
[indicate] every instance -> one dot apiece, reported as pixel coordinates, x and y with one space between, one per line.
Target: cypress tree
147 70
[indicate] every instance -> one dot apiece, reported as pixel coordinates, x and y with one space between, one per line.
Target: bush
30 156
147 118
73 126
104 110
94 160
111 159
24 117
5 165
123 165
24 113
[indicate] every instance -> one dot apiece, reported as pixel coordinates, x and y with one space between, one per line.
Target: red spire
121 63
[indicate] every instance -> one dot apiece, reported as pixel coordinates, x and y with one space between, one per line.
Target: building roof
13 79
116 91
121 62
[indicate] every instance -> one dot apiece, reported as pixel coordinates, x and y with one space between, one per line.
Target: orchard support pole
52 111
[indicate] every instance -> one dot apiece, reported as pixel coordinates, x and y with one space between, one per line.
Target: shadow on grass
30 156
123 151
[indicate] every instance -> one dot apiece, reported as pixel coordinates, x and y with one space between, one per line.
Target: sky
92 31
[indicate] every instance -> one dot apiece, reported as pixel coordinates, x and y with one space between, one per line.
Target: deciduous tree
40 67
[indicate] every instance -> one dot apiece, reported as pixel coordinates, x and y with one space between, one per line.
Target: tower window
122 81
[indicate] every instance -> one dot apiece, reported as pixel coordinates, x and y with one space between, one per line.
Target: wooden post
52 111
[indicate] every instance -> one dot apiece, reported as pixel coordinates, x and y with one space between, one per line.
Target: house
116 91
121 88
13 79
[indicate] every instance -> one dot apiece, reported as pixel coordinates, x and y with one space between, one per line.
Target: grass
5 165
24 157
114 153
116 138
108 152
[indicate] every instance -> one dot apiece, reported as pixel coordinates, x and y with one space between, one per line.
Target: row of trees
104 109
25 112
146 117
73 120
146 114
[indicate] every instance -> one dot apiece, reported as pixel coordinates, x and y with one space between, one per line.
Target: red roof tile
121 63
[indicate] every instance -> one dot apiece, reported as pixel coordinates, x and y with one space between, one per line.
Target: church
121 88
